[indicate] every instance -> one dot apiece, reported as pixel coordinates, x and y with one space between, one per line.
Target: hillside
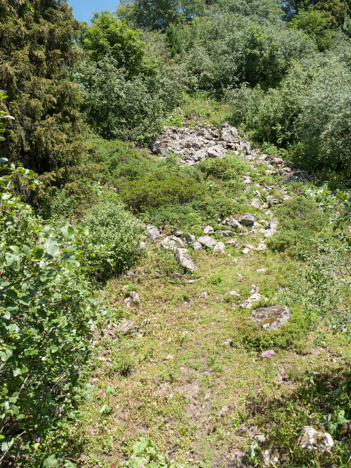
175 234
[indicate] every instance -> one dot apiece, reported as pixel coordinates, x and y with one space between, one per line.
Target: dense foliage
36 50
46 326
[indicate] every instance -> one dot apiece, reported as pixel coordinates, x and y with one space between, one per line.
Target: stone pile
201 142
196 144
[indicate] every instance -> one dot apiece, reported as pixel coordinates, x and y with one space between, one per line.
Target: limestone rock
270 457
133 299
219 247
153 233
207 241
252 300
248 219
127 327
232 222
197 246
172 242
255 203
182 257
315 439
272 317
216 151
208 230
190 238
271 228
226 233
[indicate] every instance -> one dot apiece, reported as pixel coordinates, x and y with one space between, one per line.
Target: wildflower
268 354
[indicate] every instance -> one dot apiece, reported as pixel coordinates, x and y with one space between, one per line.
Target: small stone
153 233
231 242
127 327
247 180
261 438
261 270
133 299
234 293
190 238
246 250
172 242
219 247
204 295
226 233
255 203
270 457
207 241
208 230
315 439
272 317
252 300
197 246
178 233
248 219
271 228
272 201
228 342
232 222
182 257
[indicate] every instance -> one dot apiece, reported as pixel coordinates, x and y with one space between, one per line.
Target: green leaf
51 248
68 232
51 462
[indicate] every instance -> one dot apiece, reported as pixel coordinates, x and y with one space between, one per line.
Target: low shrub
302 224
110 237
158 190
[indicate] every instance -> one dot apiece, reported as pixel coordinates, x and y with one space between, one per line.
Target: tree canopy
36 50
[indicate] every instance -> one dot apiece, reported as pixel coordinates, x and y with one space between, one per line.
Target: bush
110 239
324 125
126 108
45 321
157 190
301 228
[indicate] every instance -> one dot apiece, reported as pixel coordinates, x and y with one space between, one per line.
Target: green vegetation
111 353
36 51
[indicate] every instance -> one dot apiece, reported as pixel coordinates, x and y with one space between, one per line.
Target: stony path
182 358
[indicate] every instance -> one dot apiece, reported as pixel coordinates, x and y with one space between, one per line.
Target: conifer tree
36 51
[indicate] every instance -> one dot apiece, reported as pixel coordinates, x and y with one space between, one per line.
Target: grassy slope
177 379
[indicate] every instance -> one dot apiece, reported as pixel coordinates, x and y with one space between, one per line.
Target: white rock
219 247
255 203
270 457
153 232
172 242
127 327
207 241
197 246
248 219
182 257
190 238
252 300
313 439
208 230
